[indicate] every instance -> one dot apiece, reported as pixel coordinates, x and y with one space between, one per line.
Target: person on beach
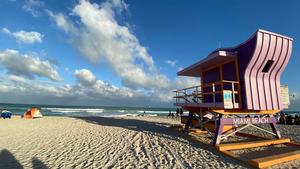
181 112
169 115
177 112
297 120
282 119
289 120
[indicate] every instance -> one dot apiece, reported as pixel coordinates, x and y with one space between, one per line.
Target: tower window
267 66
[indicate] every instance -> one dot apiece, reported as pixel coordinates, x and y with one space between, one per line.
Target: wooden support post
185 96
233 95
197 95
201 88
221 80
275 129
214 95
201 118
218 132
189 122
238 79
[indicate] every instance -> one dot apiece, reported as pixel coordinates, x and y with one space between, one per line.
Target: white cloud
91 86
6 88
18 86
25 37
183 82
294 101
62 22
5 30
27 65
171 62
294 96
17 78
166 94
85 76
28 37
32 7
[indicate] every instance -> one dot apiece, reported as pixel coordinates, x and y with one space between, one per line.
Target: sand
98 142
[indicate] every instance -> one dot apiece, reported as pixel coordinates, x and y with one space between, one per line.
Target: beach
102 142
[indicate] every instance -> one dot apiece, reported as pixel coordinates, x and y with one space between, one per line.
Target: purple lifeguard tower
240 86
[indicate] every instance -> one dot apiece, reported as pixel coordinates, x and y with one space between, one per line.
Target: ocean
103 111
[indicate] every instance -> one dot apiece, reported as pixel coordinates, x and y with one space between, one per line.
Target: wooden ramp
244 145
275 159
263 160
266 161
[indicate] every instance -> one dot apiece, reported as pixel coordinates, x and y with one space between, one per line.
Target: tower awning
210 61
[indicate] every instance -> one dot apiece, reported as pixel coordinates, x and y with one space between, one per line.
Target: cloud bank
99 37
93 29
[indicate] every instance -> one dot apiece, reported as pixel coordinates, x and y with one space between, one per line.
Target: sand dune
98 142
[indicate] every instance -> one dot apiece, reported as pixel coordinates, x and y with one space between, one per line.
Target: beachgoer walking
169 115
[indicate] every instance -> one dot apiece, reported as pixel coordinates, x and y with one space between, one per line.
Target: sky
126 53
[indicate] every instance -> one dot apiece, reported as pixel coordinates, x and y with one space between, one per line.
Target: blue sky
74 43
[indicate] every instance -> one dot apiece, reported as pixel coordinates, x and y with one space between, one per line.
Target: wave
153 111
73 110
122 115
129 115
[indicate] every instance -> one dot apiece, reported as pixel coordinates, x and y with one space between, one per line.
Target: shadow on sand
38 164
8 161
154 128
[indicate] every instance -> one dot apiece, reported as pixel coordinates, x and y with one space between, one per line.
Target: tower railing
224 91
188 95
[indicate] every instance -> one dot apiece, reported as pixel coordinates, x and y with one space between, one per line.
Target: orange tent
32 113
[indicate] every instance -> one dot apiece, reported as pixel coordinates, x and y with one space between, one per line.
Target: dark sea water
59 110
292 112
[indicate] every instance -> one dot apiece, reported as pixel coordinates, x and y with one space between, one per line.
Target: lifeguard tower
240 87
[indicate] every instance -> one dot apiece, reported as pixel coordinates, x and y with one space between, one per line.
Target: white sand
97 142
